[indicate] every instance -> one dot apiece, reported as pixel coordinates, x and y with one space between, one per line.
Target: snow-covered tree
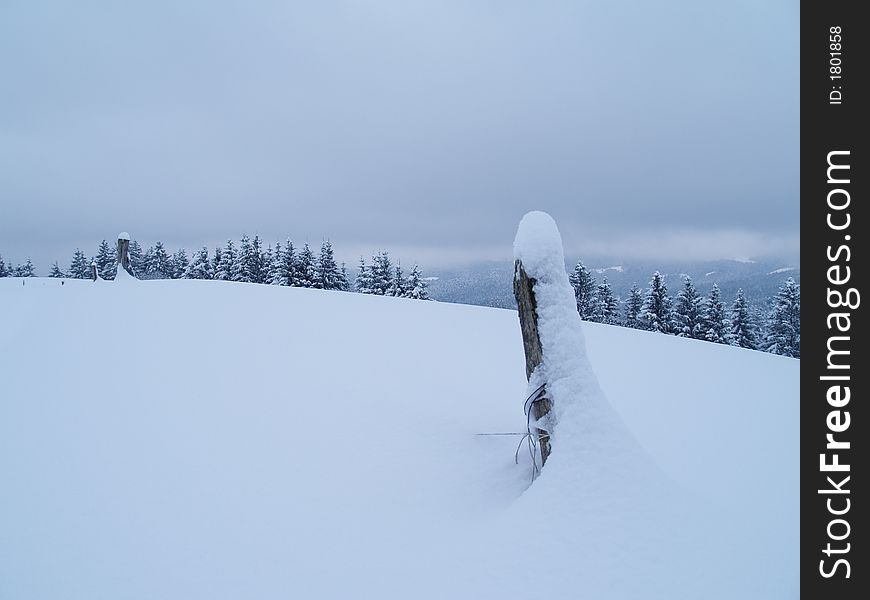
416 286
606 305
24 270
784 323
226 265
275 257
268 258
80 266
200 267
306 271
4 272
363 283
633 307
688 312
744 332
137 259
56 271
216 261
259 266
328 276
585 290
657 312
343 282
107 261
288 272
179 264
381 274
398 287
714 322
157 263
243 268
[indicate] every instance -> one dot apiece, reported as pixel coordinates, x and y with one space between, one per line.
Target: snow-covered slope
188 439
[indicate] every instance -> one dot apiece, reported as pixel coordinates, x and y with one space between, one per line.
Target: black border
827 127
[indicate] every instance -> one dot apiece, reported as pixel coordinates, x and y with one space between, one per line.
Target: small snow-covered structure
125 271
557 369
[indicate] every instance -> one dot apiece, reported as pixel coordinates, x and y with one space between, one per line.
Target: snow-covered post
547 311
123 251
94 271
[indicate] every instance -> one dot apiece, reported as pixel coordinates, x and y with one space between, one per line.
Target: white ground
187 439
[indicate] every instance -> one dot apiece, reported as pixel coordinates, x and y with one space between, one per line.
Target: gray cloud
414 125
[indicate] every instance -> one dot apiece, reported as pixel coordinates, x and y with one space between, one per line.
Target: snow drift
178 439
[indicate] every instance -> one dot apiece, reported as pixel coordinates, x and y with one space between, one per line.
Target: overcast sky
656 129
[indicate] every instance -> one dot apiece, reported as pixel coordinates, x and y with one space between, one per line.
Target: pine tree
381 274
584 290
157 263
200 267
343 282
4 272
276 258
137 259
364 282
245 263
56 272
656 314
106 260
306 272
416 286
216 261
784 323
25 270
288 269
633 307
744 332
606 304
687 312
226 262
328 276
268 257
397 287
266 260
258 268
179 263
714 323
80 266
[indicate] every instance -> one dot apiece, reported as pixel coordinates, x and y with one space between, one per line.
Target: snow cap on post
124 236
538 244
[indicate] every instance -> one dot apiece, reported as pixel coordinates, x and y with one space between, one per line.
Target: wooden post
524 291
94 271
123 252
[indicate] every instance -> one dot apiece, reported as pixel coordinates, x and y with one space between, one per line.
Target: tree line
692 315
246 261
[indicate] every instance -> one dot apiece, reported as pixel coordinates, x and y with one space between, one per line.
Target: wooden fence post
524 291
94 271
123 252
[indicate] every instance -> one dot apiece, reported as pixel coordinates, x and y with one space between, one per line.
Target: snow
781 270
274 442
124 236
122 276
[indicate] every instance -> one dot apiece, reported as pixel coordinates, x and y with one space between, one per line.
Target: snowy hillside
197 439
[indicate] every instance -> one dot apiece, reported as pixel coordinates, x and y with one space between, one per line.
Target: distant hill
489 283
